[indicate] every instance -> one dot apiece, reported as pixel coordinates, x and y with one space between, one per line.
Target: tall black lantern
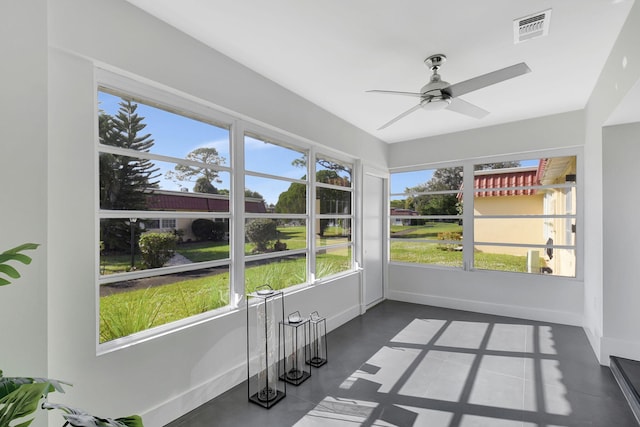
318 345
265 347
295 331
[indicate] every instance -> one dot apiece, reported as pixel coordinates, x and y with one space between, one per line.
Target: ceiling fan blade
395 119
468 109
488 79
394 92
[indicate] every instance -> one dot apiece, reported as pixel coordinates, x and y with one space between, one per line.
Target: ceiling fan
438 94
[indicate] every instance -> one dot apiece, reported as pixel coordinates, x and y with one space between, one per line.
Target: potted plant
20 396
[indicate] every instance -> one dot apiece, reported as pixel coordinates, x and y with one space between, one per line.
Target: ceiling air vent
532 26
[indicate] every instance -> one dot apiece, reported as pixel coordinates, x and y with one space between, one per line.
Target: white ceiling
332 51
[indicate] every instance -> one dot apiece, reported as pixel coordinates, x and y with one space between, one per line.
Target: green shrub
279 246
157 248
219 230
449 235
261 232
202 229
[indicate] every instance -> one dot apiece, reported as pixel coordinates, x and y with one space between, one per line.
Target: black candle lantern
295 330
265 311
318 345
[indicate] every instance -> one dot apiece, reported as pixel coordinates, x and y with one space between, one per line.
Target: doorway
373 239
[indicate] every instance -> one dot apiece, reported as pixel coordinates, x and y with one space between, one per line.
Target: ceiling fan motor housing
435 95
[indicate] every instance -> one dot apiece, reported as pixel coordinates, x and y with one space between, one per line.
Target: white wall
23 172
560 130
48 171
554 299
619 75
621 151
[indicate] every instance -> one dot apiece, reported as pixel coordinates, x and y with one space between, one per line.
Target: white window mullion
357 254
236 272
312 215
467 216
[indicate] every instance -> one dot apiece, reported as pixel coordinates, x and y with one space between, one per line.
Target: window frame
458 217
151 96
268 137
351 216
469 216
169 99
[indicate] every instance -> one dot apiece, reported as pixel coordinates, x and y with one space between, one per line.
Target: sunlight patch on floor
419 331
391 364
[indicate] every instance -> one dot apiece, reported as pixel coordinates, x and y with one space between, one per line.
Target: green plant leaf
4 257
9 271
23 247
10 384
14 254
21 402
132 421
79 418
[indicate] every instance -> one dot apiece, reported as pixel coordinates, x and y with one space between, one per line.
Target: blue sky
175 135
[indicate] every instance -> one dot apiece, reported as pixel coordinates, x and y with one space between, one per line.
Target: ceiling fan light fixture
436 103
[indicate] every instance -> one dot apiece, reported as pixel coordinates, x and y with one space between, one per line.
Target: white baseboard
191 399
594 341
343 317
202 393
521 312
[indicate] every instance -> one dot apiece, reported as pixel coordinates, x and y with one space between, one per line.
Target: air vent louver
532 26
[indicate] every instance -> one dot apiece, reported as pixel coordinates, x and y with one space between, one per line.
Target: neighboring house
403 212
176 201
490 200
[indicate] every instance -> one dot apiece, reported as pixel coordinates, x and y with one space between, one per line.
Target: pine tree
124 181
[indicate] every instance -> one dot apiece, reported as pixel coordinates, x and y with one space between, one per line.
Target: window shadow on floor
476 370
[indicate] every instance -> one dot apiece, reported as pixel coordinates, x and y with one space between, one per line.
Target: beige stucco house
503 192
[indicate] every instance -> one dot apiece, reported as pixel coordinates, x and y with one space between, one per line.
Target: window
334 217
164 192
177 218
276 251
426 217
522 216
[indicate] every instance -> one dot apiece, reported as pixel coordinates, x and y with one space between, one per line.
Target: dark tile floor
405 364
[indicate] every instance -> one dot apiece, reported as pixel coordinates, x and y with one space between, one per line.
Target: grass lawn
429 253
204 251
111 264
429 230
124 313
424 253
